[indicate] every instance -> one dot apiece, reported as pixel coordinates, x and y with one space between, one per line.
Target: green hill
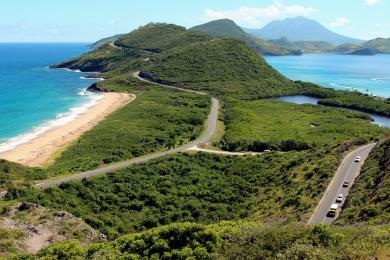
221 66
191 59
379 45
133 47
372 47
227 28
363 51
159 37
345 48
369 199
304 46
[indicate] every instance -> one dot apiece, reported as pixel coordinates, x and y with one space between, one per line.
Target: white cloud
372 2
253 16
299 10
342 21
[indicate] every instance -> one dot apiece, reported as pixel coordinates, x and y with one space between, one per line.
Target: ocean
366 74
35 98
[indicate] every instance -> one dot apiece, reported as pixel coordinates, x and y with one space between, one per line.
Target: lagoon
382 121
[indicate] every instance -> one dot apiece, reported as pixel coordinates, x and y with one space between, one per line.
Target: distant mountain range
292 36
301 29
372 47
227 28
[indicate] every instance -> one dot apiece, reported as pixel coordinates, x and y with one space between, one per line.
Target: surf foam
61 119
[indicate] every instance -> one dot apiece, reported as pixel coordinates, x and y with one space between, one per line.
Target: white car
334 208
339 198
358 159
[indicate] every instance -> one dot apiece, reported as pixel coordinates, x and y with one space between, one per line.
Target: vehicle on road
333 210
358 159
346 184
339 198
267 151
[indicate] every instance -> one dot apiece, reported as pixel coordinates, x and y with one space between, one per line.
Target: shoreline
37 151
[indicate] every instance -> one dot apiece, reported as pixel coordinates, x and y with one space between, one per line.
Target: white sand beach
38 151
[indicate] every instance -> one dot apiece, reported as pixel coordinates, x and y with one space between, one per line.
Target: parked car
339 198
346 184
358 159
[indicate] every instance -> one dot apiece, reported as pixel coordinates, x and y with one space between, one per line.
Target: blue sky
90 20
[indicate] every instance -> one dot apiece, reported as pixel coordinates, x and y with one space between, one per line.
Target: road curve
205 137
348 171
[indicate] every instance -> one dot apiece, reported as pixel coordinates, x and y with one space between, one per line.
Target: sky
91 20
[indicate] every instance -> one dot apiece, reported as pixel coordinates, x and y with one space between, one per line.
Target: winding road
348 171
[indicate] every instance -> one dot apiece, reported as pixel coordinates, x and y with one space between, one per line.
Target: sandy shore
37 152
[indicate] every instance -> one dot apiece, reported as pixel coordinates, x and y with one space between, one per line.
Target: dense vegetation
369 200
227 28
266 124
234 240
204 188
201 187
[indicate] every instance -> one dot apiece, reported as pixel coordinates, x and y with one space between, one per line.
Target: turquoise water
382 121
366 74
35 98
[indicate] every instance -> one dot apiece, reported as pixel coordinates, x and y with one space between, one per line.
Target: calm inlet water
35 98
379 120
366 74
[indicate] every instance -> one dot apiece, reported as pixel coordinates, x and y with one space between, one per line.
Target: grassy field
268 124
234 240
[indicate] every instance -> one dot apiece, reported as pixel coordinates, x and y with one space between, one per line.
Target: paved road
113 45
348 171
211 126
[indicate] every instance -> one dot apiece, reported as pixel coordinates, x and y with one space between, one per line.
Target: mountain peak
301 29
